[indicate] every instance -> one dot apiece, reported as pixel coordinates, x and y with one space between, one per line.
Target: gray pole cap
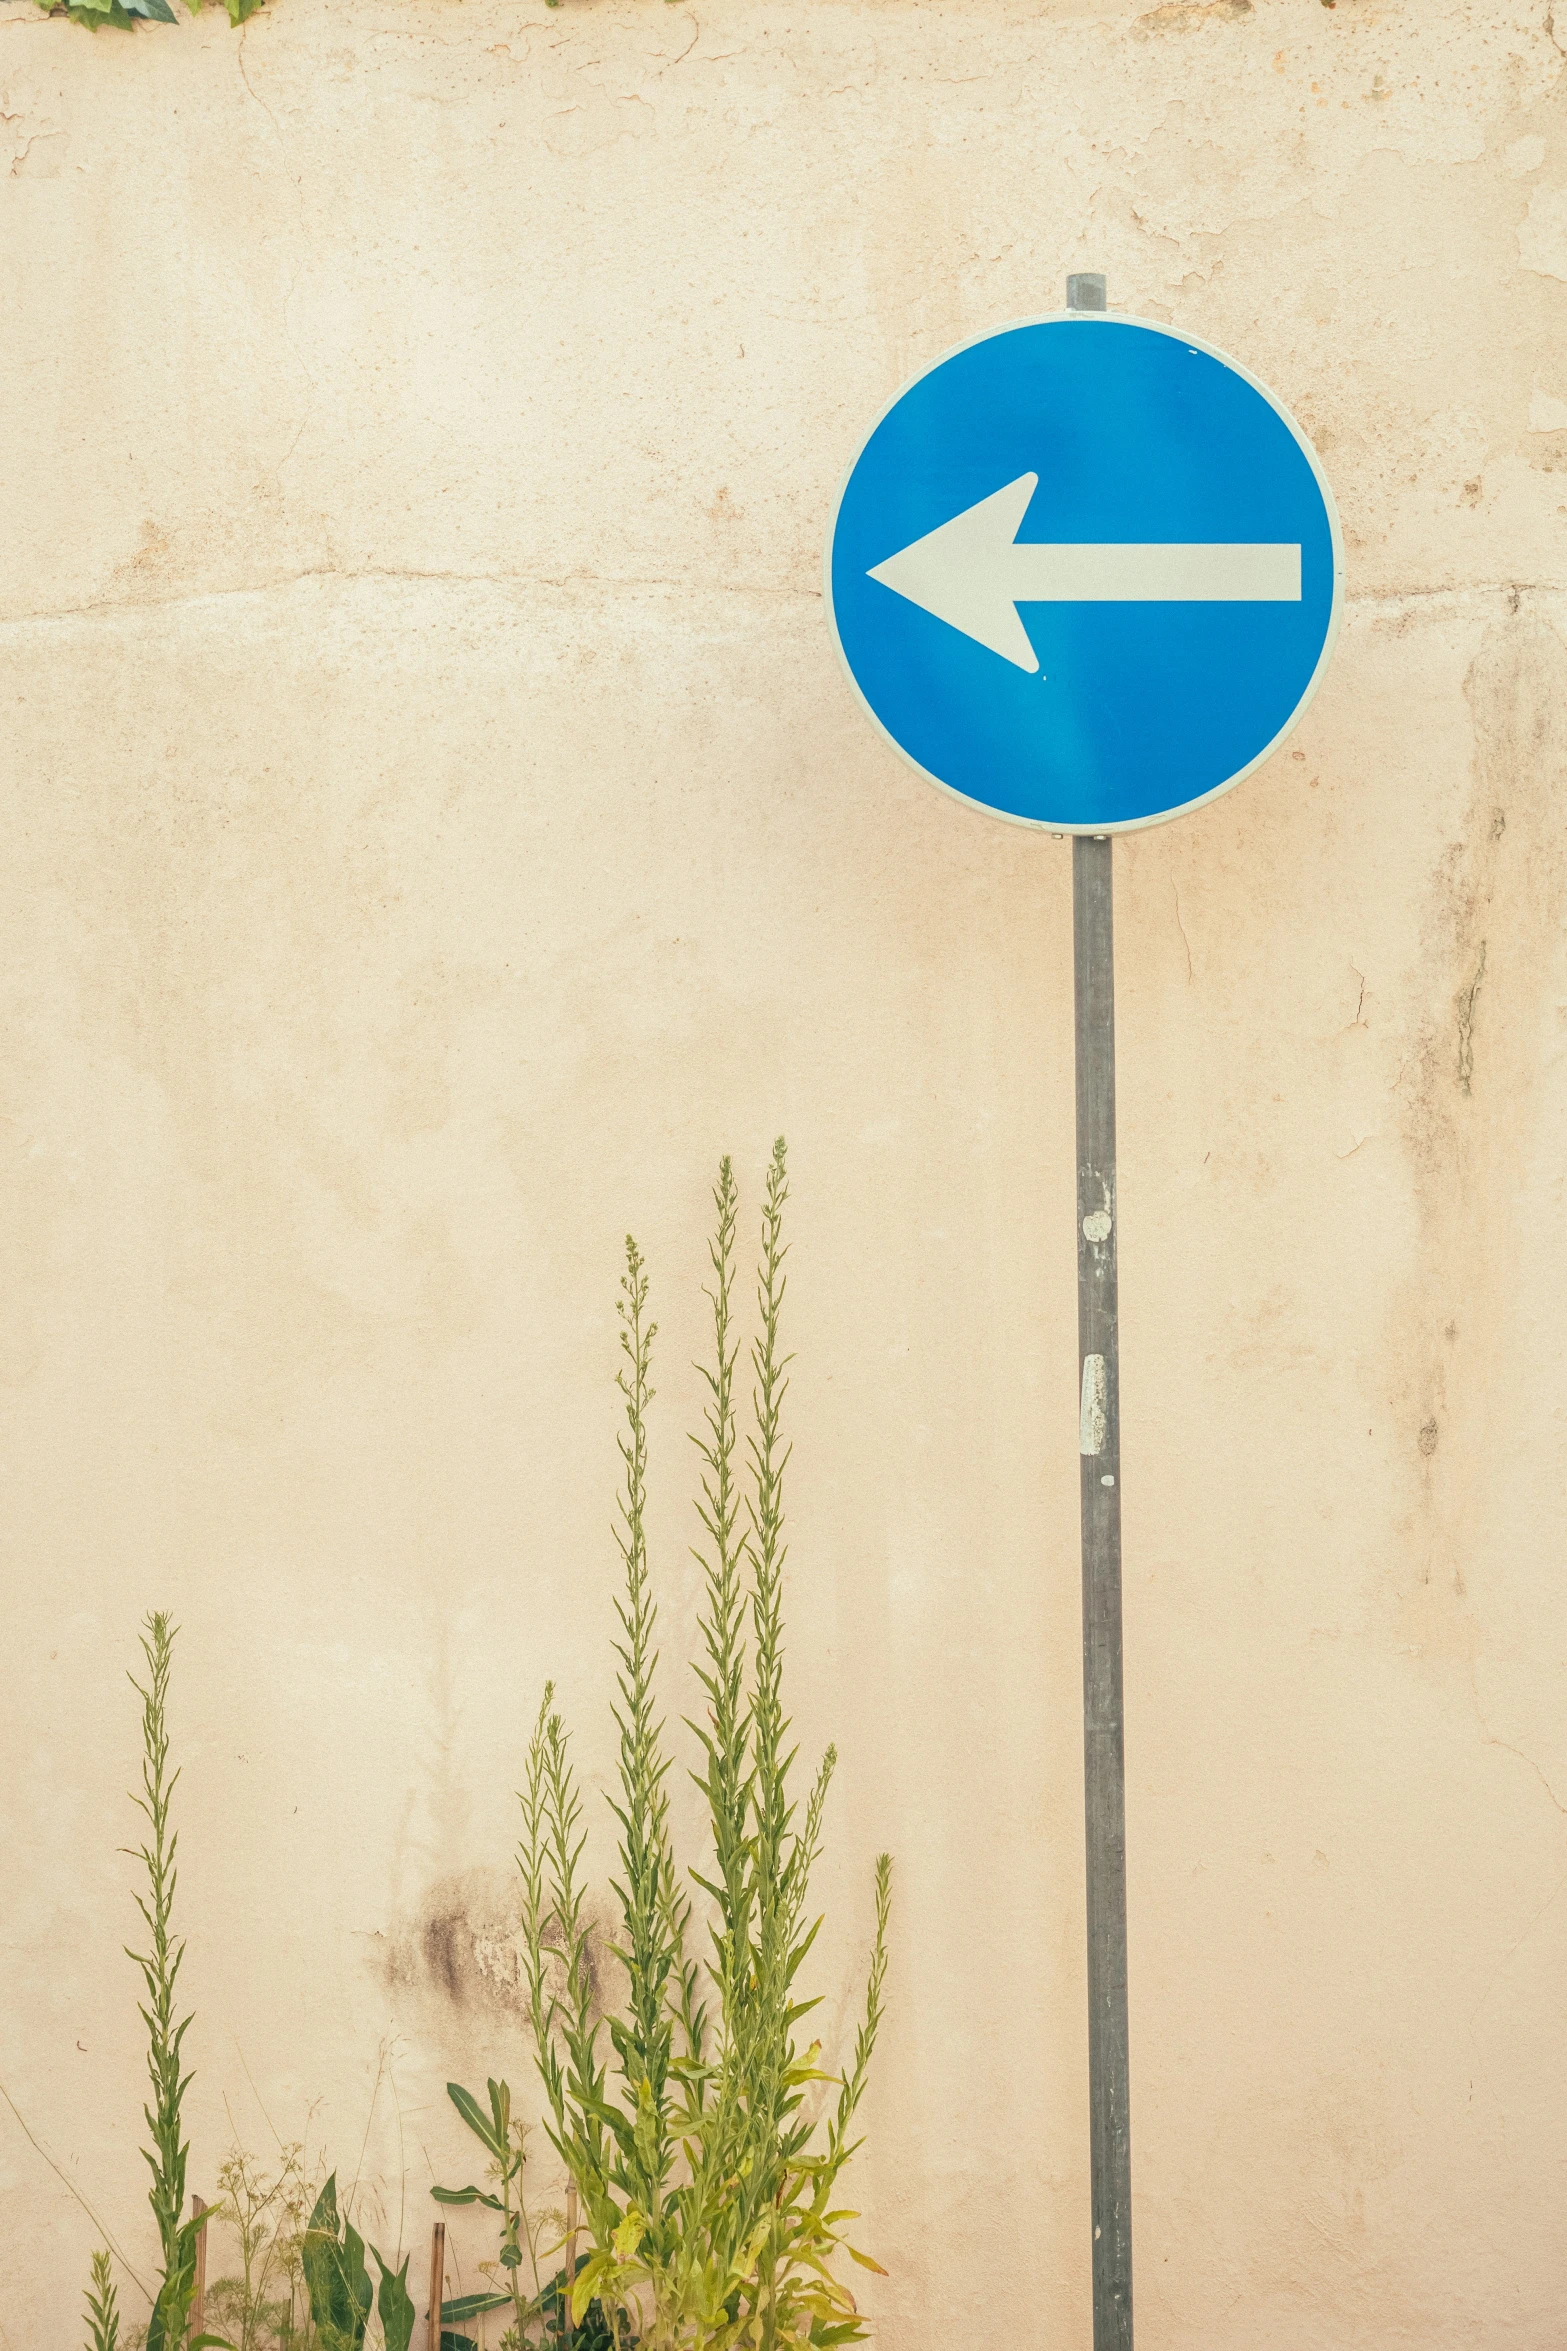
1085 290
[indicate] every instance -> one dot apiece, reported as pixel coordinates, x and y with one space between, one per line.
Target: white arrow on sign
973 573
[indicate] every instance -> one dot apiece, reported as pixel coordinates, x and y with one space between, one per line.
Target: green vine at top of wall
124 13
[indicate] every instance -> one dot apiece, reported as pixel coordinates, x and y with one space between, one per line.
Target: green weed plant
168 2329
707 2178
267 2212
103 2312
339 2287
539 2317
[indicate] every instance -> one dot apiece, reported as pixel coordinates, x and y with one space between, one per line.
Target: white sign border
1092 319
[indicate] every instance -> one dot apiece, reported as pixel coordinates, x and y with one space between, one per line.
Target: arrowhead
958 572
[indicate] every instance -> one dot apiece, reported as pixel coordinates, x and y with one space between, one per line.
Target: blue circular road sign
1085 573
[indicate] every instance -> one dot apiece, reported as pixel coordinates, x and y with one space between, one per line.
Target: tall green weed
168 2329
707 2174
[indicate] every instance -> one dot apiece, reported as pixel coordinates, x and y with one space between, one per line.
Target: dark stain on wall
465 1947
464 1950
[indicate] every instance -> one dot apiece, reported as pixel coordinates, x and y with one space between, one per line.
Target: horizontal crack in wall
1480 591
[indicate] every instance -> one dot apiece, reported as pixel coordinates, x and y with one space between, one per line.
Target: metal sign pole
1154 492
1099 1446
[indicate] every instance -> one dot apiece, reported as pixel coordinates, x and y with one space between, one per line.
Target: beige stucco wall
435 826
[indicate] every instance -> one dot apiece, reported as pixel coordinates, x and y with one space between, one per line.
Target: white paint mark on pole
1093 1412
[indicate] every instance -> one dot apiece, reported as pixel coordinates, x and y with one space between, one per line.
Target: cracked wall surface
436 827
